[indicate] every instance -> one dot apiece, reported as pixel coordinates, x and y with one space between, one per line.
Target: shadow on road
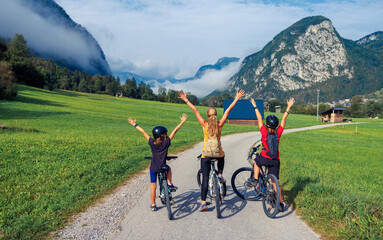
186 203
232 204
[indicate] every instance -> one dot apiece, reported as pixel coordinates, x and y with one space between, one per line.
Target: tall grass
334 178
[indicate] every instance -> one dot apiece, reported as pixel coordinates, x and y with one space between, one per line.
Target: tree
356 110
8 88
162 94
18 49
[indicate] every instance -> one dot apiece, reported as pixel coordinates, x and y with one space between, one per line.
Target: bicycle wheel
167 199
241 186
217 196
272 196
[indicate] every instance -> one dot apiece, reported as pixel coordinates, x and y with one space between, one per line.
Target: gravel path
102 220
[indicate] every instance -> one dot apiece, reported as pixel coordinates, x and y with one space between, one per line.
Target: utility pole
317 104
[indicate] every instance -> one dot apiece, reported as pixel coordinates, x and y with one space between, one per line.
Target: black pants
205 169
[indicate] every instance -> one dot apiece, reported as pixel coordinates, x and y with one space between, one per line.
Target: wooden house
334 114
243 112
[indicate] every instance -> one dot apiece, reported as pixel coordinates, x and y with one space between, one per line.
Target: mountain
221 63
308 56
52 34
372 41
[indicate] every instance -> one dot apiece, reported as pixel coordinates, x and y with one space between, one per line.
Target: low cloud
45 36
211 80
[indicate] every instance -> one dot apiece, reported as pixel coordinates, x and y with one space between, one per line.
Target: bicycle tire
239 183
199 181
272 196
217 196
167 199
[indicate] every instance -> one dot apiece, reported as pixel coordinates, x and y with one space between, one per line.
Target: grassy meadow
63 150
334 178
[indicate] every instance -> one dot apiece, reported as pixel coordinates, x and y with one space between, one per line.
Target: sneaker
281 207
173 188
221 179
253 182
203 207
153 208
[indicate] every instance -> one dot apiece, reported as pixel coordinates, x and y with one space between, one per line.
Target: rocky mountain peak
307 53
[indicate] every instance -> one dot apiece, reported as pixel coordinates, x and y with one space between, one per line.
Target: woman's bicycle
267 189
165 194
216 189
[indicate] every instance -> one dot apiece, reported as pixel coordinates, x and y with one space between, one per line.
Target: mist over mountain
207 78
52 34
308 56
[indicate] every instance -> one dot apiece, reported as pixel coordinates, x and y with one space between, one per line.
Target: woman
211 129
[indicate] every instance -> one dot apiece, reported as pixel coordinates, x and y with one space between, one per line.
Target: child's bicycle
216 189
165 193
268 188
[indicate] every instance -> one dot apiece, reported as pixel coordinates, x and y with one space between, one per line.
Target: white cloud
211 80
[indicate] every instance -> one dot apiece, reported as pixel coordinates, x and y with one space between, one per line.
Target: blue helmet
158 131
272 121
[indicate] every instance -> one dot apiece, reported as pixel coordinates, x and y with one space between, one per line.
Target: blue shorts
153 175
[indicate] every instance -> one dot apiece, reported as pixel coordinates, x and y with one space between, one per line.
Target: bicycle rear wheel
217 196
167 199
199 181
272 196
241 186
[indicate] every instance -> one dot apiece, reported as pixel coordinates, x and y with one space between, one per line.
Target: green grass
334 178
63 150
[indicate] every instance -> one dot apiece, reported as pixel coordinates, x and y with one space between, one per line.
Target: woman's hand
183 96
290 102
239 94
253 102
184 117
132 121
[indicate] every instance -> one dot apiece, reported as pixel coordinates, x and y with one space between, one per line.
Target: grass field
63 150
334 178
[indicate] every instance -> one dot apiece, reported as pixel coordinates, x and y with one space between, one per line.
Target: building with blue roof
243 112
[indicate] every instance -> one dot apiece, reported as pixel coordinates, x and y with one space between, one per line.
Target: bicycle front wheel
167 199
217 196
241 186
272 196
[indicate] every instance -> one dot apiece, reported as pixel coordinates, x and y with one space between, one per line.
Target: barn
243 112
334 114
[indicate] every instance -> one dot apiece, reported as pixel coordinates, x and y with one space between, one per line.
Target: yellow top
205 138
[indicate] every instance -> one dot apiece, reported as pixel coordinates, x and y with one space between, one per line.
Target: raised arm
133 122
183 119
226 113
290 103
259 116
200 119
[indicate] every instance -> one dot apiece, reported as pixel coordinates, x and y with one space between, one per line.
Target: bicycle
216 189
165 194
268 188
